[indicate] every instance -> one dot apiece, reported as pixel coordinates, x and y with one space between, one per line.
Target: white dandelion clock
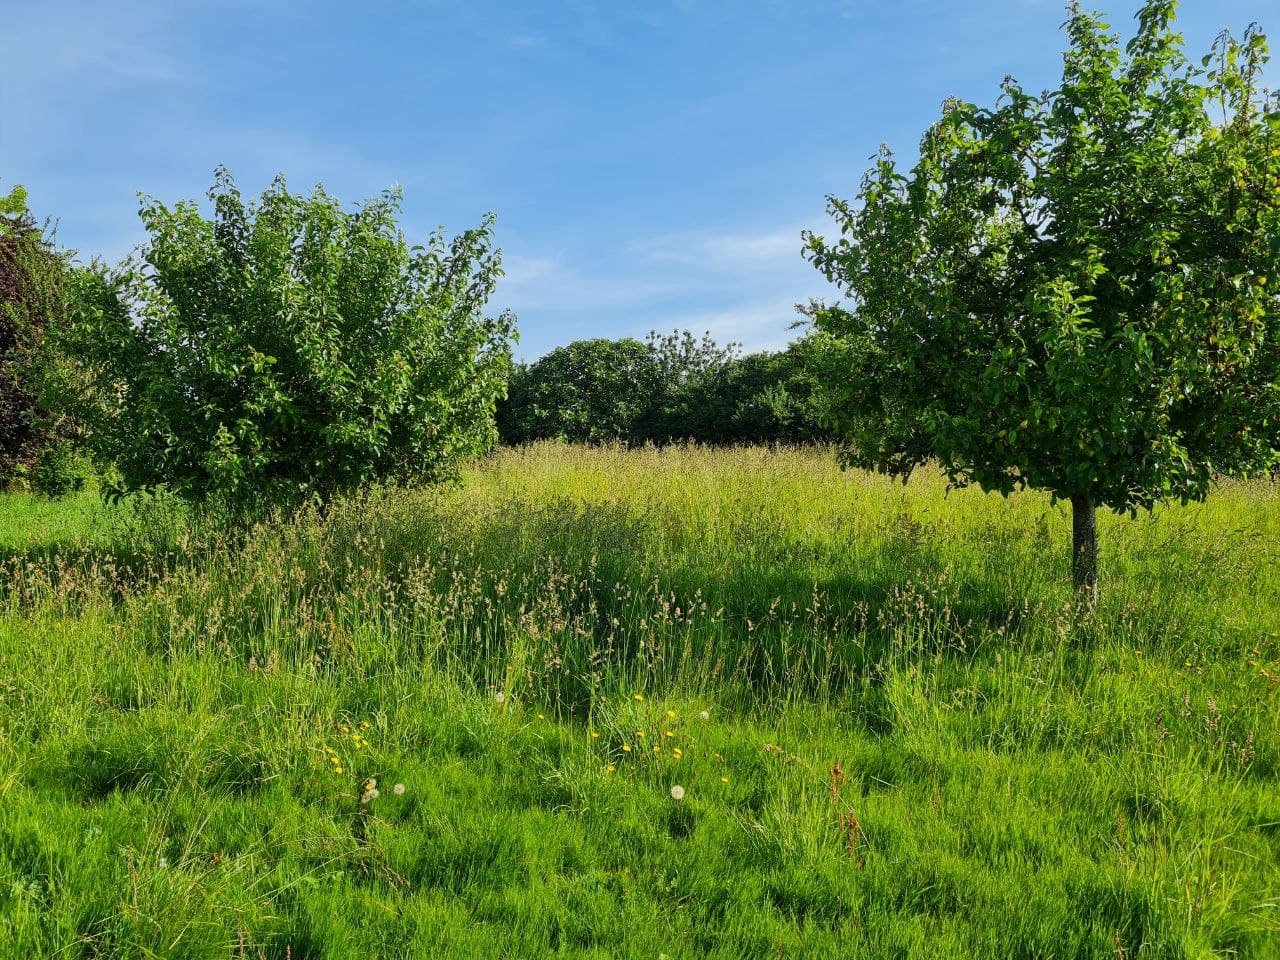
677 792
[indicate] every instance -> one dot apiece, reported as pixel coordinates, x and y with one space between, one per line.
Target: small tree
32 272
1073 291
290 349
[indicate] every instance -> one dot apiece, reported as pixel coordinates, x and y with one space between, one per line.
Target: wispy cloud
738 285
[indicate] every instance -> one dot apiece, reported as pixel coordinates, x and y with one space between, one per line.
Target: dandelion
667 733
369 796
677 792
337 770
724 779
705 715
656 748
626 748
595 735
610 768
638 697
640 734
671 714
499 698
541 717
398 789
676 754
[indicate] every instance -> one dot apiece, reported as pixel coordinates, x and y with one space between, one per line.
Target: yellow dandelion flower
638 696
541 717
640 734
364 725
337 769
594 735
671 714
611 768
724 779
656 748
667 733
626 748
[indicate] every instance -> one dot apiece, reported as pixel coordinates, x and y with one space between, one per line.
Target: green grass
909 750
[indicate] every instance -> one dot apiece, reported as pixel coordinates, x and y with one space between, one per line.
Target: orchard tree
290 349
1072 291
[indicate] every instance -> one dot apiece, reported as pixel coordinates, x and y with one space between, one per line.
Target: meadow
598 702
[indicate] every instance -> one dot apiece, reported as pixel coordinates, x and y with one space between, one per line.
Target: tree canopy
290 348
1072 290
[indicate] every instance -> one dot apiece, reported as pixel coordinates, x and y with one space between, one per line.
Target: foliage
760 398
59 471
32 280
675 387
289 349
1073 291
909 749
589 391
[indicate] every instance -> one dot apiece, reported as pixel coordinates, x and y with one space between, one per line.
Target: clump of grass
888 734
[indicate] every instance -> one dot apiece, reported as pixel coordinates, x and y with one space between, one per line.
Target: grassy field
890 737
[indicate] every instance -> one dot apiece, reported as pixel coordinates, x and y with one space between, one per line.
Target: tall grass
911 748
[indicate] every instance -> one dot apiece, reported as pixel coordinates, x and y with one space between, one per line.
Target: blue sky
652 162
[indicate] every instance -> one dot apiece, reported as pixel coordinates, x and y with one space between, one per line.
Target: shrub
289 349
59 471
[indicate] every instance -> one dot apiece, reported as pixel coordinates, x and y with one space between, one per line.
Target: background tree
290 349
673 387
1072 291
590 391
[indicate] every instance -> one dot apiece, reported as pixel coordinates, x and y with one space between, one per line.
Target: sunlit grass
888 734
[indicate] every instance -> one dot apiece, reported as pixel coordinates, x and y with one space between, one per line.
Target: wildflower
541 717
667 733
640 734
337 769
724 779
370 784
638 697
369 796
656 748
671 714
677 792
398 789
595 735
500 698
610 768
364 725
705 715
626 748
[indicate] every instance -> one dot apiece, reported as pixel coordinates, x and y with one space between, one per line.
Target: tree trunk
1084 549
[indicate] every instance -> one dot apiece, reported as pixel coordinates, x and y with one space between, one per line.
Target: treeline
669 388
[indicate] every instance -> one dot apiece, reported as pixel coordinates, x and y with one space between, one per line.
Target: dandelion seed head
705 715
500 697
398 789
677 792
